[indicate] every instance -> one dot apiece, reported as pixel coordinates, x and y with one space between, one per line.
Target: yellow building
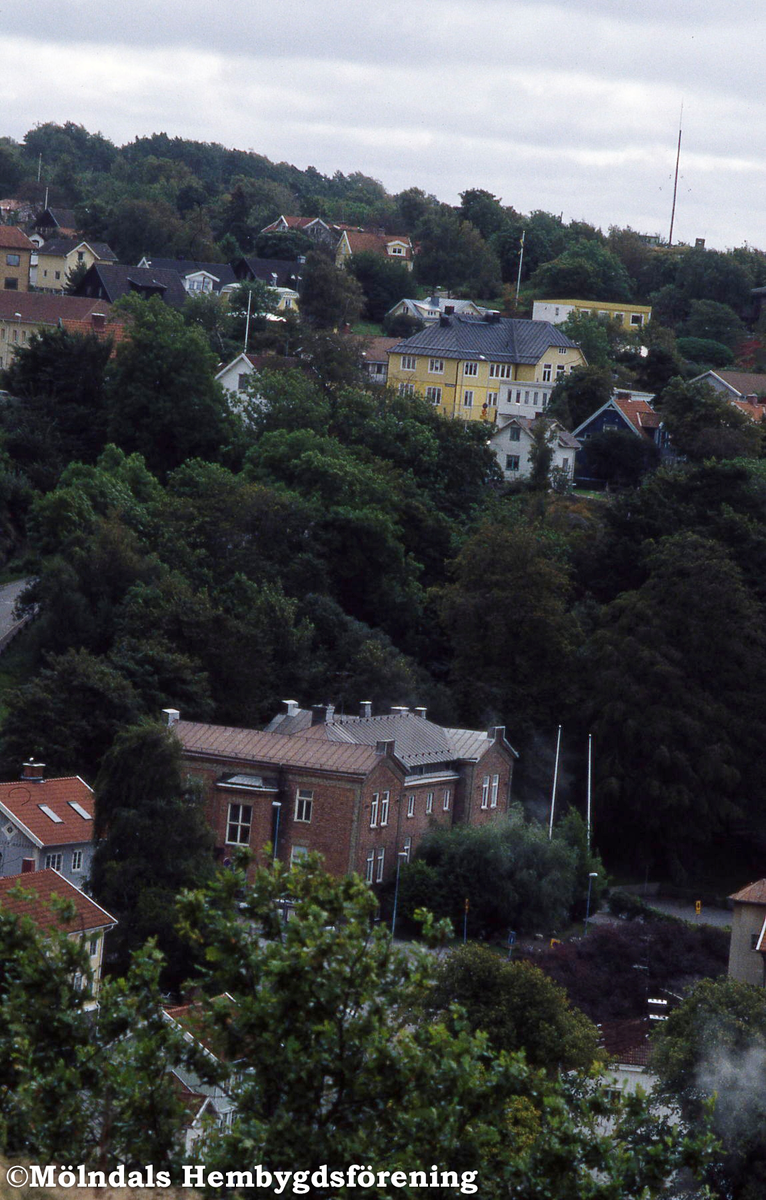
58 258
468 366
631 316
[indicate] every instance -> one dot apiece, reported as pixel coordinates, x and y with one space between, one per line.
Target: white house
512 444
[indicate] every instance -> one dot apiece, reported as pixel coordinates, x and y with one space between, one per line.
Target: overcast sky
571 107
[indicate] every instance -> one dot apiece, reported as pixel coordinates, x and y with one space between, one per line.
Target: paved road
9 594
684 909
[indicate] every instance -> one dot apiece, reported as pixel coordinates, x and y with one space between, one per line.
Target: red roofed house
32 895
357 789
46 824
15 257
396 247
631 412
747 948
22 314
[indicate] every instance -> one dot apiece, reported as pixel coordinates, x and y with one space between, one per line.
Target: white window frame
436 366
485 792
429 802
407 848
547 372
385 799
374 810
370 867
434 394
446 799
76 861
304 803
492 398
500 370
411 805
237 821
409 362
406 389
298 853
380 865
53 862
493 791
468 395
471 368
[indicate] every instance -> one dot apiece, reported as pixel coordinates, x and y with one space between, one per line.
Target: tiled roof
25 802
418 741
116 280
41 308
45 885
502 340
627 1041
63 246
747 383
639 413
13 238
253 745
376 349
754 893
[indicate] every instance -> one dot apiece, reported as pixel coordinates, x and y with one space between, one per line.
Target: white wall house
512 444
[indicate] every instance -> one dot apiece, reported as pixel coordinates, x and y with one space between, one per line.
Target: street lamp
277 805
402 854
592 875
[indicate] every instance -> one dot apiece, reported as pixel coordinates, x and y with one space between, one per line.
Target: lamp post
277 806
591 876
402 854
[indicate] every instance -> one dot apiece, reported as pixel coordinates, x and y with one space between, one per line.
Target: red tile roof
44 885
627 1041
754 893
44 309
13 238
753 409
376 243
639 412
252 745
23 802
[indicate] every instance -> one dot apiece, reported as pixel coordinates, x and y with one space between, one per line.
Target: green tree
518 1007
709 319
576 396
482 210
617 457
155 842
330 297
711 1051
702 424
586 270
454 255
332 1068
162 399
384 283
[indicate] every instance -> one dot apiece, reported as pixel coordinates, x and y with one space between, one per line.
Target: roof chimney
443 319
27 866
387 747
497 733
291 707
365 708
398 710
34 771
322 714
421 712
172 716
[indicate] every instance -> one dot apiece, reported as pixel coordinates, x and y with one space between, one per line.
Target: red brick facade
356 805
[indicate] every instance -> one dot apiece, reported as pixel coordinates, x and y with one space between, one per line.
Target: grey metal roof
504 340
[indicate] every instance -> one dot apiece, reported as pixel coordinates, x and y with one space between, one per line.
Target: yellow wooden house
468 367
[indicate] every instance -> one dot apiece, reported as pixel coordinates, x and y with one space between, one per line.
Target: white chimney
172 716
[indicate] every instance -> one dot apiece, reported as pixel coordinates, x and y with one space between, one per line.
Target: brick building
357 789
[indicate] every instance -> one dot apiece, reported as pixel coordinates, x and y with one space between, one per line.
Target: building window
563 349
303 804
434 394
80 256
384 798
410 806
381 864
512 462
77 860
53 861
493 792
446 800
534 399
406 389
242 381
408 362
370 867
407 848
93 947
238 824
57 274
560 370
374 811
470 368
11 285
514 434
468 399
492 399
436 366
546 372
636 318
620 318
430 802
298 853
485 792
500 370
12 260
